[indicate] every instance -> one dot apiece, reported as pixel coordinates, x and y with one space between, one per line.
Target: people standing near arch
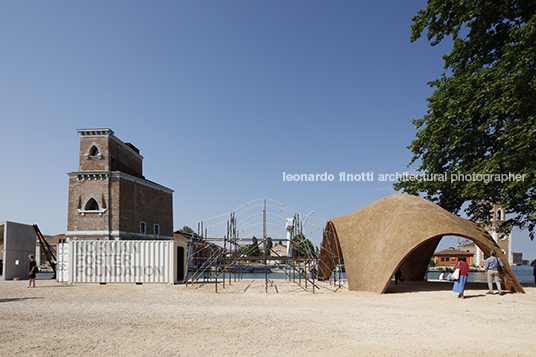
459 284
398 276
493 265
533 264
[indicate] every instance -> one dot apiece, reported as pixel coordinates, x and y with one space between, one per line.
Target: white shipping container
121 261
62 253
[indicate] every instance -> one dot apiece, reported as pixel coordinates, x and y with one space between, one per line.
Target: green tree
269 243
481 116
243 250
254 249
187 229
303 247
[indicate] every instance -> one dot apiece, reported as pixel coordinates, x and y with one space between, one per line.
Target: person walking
33 271
533 264
398 276
492 268
459 284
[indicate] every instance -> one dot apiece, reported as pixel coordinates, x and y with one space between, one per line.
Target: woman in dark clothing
33 270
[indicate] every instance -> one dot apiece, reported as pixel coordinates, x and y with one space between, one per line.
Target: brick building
502 236
451 256
109 198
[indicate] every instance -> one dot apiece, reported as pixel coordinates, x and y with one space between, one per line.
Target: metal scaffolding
224 260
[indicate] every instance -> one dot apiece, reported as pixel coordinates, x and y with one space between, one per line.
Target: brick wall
113 179
142 203
94 163
81 191
123 158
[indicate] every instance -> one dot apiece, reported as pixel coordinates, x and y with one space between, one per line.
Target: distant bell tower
502 236
109 198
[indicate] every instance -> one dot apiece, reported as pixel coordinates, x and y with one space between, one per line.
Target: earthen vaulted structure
398 231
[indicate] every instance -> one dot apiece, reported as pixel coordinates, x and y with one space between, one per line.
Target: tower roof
95 132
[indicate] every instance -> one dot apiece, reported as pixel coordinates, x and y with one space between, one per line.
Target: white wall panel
124 261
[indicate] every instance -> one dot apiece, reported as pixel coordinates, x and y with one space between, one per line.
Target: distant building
468 247
200 251
451 256
109 198
517 258
501 235
183 237
17 241
279 249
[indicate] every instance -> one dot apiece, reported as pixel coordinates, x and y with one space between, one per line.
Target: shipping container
120 261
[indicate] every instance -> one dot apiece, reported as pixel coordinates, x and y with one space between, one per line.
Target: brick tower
109 198
503 238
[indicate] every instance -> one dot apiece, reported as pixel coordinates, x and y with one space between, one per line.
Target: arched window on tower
94 151
92 205
499 215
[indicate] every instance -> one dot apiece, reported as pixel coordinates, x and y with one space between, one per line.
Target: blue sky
221 98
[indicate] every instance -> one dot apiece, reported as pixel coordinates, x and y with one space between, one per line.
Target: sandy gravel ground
413 319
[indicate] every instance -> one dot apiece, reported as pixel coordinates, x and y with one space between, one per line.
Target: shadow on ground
19 299
416 286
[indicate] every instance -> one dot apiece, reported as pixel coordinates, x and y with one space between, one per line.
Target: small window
156 229
94 151
448 259
92 205
442 259
143 228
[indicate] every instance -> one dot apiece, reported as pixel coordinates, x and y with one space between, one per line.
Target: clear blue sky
221 98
